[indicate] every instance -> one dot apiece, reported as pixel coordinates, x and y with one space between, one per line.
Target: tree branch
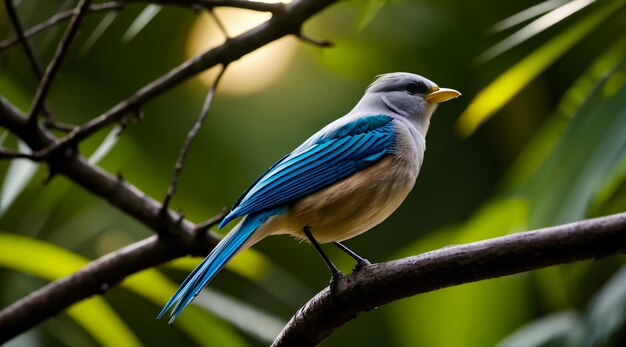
178 167
209 4
96 278
7 153
285 23
118 192
379 284
58 18
182 235
55 64
116 5
21 37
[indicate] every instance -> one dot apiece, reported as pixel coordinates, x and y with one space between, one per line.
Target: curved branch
118 192
281 24
116 5
58 18
178 235
252 5
379 284
95 278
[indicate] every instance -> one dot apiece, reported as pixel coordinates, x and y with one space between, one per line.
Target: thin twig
190 136
55 64
7 153
19 31
243 4
116 5
204 226
58 18
219 23
284 23
50 123
21 37
315 42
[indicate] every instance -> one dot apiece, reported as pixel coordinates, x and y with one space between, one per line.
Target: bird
342 181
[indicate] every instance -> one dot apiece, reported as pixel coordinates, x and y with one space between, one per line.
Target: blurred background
538 139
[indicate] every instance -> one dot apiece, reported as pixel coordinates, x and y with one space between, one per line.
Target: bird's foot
334 281
361 264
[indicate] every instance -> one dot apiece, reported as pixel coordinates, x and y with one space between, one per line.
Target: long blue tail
215 261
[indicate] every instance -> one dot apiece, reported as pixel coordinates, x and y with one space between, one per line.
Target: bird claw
334 281
361 264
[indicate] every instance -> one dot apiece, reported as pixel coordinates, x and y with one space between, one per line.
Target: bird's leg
360 261
336 274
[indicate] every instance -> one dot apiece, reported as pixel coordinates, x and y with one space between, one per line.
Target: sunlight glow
255 71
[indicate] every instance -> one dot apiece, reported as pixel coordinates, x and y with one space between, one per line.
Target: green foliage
588 151
601 324
546 117
499 92
426 319
94 314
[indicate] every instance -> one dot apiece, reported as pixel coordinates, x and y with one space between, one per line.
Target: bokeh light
246 76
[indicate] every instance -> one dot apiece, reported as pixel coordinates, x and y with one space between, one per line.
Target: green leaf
546 139
527 14
462 315
584 85
203 328
611 198
105 23
50 262
3 136
370 10
562 189
534 28
106 146
499 92
559 329
257 323
606 315
249 264
19 174
144 18
494 218
257 268
426 319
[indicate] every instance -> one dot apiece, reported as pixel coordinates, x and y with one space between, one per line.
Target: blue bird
341 182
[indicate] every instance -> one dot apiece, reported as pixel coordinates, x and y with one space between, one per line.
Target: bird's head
408 95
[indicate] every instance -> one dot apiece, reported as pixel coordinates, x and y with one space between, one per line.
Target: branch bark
379 284
116 191
58 18
281 24
96 278
178 236
116 5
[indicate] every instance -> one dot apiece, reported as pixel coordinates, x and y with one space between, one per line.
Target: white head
405 95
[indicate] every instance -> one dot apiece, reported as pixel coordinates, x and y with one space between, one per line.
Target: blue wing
331 158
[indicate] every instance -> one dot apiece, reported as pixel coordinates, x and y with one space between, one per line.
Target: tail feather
215 261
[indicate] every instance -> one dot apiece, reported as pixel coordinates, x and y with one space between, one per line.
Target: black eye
412 88
417 87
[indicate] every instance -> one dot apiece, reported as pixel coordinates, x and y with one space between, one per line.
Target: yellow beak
442 95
